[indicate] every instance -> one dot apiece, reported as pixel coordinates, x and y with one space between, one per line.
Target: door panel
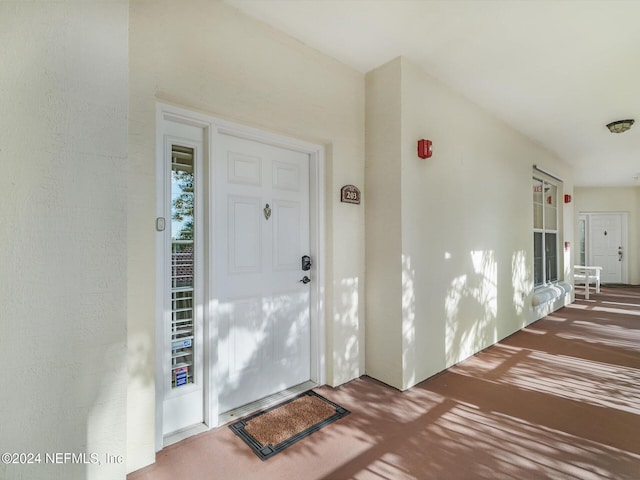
245 237
262 200
244 169
286 176
605 240
286 240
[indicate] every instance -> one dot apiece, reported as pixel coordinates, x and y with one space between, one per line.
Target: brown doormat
272 430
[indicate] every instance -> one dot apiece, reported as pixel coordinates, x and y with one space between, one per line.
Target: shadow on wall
522 281
140 357
107 402
472 304
346 328
408 322
471 308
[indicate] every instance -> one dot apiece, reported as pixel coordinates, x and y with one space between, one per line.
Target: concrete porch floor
559 399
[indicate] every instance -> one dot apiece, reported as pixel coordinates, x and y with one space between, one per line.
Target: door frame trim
212 126
167 113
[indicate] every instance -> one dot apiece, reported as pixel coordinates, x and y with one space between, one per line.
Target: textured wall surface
465 222
208 57
384 224
63 148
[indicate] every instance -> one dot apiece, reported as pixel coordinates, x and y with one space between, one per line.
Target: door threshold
180 435
265 402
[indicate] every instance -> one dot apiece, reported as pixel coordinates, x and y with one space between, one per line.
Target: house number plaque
350 194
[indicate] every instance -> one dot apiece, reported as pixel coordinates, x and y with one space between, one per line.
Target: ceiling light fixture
620 126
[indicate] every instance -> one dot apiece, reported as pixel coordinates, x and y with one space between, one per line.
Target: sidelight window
182 266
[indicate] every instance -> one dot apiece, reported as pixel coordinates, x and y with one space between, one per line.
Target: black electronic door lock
306 263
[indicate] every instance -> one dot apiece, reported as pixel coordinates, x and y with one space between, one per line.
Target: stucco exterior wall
208 57
63 223
448 240
466 227
383 225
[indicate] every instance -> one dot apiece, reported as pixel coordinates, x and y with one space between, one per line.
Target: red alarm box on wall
424 148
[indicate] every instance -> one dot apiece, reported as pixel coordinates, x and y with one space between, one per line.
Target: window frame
545 226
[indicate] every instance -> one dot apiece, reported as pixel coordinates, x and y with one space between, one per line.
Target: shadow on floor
559 399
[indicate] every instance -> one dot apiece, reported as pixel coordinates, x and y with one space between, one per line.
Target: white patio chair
587 275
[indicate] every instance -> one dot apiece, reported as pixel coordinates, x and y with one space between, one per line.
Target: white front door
606 245
261 232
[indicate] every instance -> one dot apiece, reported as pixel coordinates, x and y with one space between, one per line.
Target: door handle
619 254
305 280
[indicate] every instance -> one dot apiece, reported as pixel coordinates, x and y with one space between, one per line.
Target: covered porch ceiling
557 71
